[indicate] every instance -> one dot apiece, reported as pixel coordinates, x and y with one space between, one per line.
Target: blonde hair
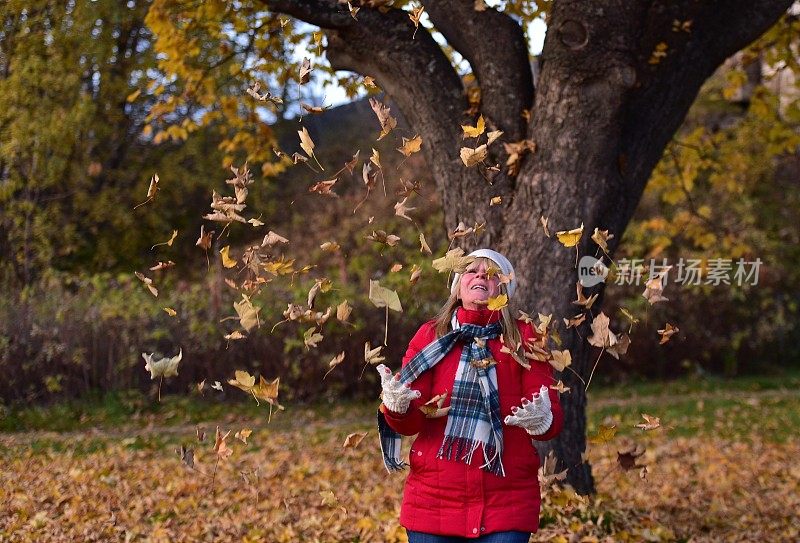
511 335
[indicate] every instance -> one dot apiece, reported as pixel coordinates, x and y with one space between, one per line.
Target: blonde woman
473 465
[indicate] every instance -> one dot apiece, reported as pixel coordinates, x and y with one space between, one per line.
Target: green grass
767 406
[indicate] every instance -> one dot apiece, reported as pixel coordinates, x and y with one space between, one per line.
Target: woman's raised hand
534 416
396 395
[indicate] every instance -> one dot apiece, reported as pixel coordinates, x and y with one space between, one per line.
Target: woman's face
476 287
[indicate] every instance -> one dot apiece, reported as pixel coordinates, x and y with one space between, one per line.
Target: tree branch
667 90
494 45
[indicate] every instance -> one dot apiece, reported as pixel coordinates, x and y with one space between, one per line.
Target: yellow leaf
227 261
604 434
163 367
411 146
474 131
570 238
133 96
171 312
497 303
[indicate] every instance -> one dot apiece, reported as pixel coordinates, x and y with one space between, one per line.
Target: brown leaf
204 241
354 440
388 123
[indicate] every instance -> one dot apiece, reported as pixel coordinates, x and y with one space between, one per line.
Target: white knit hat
502 262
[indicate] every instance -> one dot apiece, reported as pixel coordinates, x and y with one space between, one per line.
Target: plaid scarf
474 417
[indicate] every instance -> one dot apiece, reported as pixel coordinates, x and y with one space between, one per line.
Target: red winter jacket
449 497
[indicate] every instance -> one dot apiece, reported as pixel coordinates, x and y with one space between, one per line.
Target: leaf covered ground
721 467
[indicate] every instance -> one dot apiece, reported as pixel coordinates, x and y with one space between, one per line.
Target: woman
473 465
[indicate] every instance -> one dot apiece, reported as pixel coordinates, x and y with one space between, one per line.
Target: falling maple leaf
324 188
416 272
604 434
305 71
575 321
474 131
400 209
433 408
330 247
543 221
272 238
220 447
163 367
650 422
204 241
384 297
311 337
560 359
411 146
582 300
497 303
247 312
335 361
379 236
373 356
307 145
388 123
151 190
667 332
168 243
601 237
560 387
243 434
492 136
570 238
343 311
147 283
454 260
470 157
627 457
354 440
423 245
227 261
602 336
654 287
415 16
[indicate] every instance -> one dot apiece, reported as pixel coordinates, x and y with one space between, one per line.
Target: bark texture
601 115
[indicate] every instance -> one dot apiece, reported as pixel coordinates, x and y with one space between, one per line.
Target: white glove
536 416
396 395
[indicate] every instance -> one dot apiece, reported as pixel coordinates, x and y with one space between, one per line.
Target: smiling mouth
480 287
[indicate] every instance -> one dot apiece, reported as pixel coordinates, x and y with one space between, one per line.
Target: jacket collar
481 317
